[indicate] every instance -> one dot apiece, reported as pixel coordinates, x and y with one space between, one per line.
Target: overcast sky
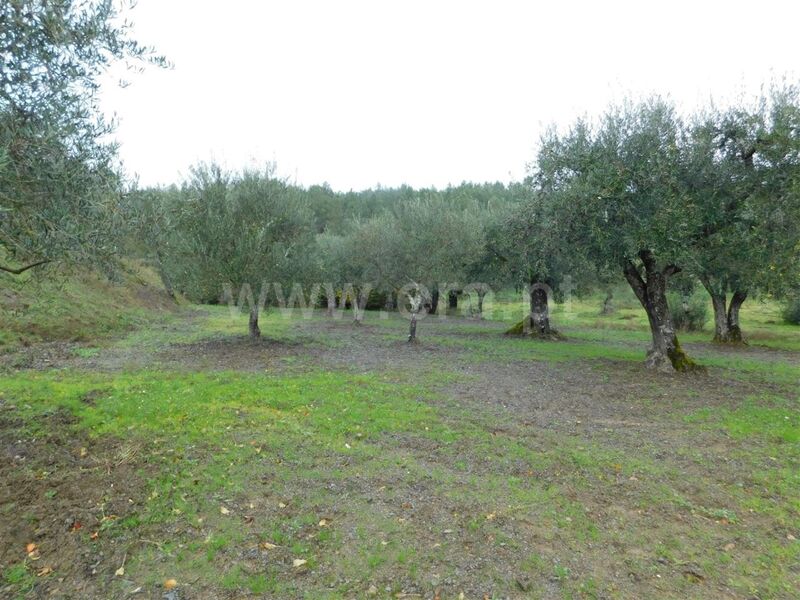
424 93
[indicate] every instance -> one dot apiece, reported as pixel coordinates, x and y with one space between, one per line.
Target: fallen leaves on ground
170 584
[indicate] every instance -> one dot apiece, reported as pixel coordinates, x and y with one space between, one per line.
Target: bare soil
64 487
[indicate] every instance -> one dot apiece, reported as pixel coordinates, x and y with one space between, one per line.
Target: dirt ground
94 481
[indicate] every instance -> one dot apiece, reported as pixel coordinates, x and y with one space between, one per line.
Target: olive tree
538 259
58 179
150 229
615 190
490 268
420 246
241 231
742 172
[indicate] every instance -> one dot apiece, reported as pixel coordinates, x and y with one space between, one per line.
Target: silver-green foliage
58 179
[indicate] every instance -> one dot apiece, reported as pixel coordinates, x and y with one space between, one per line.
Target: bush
791 314
689 312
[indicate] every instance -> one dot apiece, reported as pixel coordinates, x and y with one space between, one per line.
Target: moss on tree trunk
650 287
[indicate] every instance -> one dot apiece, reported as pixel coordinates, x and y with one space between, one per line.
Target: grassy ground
48 306
334 461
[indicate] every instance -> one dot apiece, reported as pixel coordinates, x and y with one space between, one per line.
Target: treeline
223 230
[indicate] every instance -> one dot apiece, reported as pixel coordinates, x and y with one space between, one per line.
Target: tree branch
21 270
635 280
670 270
648 260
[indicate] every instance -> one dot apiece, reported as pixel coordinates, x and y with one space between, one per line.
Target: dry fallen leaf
729 547
84 452
324 523
169 584
33 551
120 572
281 505
790 537
44 571
95 535
490 516
299 562
267 546
76 526
224 510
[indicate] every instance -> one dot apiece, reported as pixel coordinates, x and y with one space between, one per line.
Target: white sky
424 93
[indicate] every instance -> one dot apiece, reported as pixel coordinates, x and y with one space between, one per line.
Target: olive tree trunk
739 296
538 322
255 332
434 302
360 303
481 296
417 300
650 288
412 328
726 315
330 297
608 303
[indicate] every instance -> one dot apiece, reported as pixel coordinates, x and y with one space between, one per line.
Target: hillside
41 307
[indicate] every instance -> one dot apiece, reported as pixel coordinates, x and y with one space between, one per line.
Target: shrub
689 312
791 313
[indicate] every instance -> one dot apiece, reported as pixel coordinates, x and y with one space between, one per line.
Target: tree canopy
59 181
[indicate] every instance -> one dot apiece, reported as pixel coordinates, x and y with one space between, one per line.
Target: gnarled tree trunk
538 322
650 288
726 316
735 331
